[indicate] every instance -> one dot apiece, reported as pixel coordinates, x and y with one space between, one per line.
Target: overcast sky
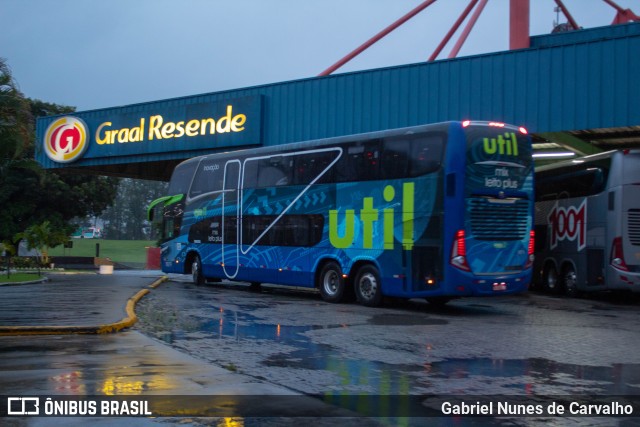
105 53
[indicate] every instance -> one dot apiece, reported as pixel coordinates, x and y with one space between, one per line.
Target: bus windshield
498 159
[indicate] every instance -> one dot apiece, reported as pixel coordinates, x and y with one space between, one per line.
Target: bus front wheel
331 282
550 279
368 286
196 271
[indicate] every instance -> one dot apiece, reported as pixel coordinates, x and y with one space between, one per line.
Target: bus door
231 225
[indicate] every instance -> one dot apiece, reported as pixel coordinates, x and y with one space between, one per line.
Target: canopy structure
576 92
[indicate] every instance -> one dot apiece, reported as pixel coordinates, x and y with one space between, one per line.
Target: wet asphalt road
70 299
528 344
124 363
226 339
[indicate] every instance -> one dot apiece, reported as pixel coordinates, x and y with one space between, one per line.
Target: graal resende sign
166 126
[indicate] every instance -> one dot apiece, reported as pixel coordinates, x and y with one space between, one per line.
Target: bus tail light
617 255
530 249
459 252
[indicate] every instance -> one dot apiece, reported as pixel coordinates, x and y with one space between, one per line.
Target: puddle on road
235 325
479 376
536 376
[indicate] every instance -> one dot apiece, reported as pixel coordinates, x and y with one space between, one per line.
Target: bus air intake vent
633 226
496 219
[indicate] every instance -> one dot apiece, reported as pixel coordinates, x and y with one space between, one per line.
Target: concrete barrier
106 269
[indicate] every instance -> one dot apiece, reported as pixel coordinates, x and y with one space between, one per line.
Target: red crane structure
518 27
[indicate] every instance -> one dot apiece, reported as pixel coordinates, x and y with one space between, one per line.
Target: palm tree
15 122
15 139
42 237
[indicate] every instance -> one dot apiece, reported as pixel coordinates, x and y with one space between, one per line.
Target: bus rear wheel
196 271
368 286
570 281
331 283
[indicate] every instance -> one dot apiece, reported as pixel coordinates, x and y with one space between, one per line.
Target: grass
121 251
18 277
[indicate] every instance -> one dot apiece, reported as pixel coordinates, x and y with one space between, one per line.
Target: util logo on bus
506 145
369 216
568 224
65 140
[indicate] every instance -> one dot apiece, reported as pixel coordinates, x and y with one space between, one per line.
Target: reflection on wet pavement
324 348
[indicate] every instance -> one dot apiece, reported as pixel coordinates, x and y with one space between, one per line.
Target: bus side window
289 230
395 158
426 154
360 162
316 224
181 178
275 171
250 178
168 230
172 220
581 181
309 166
544 191
230 229
292 231
209 175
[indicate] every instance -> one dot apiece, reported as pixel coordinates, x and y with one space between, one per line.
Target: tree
42 237
7 250
126 218
15 117
16 132
30 195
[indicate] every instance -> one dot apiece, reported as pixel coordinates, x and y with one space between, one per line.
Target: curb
30 282
127 322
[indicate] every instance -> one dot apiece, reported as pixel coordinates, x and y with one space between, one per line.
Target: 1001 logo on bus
568 224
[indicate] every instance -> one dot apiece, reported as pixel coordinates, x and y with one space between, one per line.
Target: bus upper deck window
275 171
208 177
361 162
395 158
426 154
310 166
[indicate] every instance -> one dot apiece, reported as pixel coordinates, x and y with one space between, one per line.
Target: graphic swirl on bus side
65 139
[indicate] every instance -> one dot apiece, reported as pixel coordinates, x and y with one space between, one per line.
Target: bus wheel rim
570 280
195 268
552 279
368 286
330 282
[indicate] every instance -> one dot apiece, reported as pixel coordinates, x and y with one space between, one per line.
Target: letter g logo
65 139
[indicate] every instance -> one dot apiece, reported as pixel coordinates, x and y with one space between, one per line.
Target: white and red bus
587 223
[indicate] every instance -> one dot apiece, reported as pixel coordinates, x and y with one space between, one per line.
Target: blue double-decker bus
435 211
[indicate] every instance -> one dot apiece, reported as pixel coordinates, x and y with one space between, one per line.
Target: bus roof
292 146
573 162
